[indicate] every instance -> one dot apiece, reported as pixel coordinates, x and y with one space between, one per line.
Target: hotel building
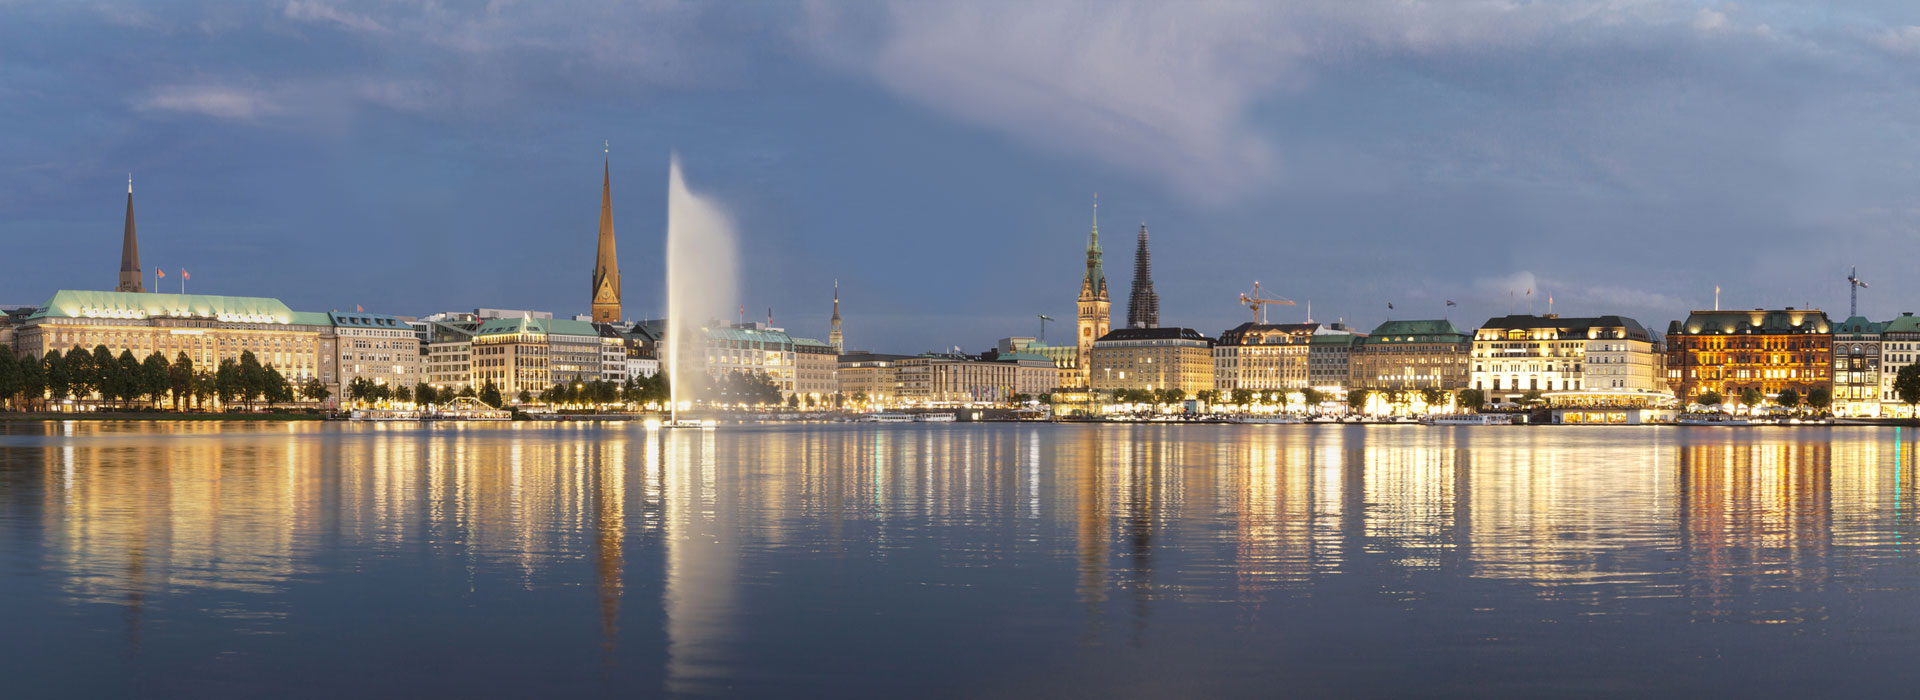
1330 358
1152 358
207 329
533 354
1856 368
377 347
1263 357
1769 350
1412 355
1603 355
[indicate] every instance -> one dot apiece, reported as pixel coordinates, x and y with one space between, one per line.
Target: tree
106 373
425 395
1820 398
1171 395
860 397
524 397
1906 385
1533 396
1312 397
490 394
274 386
1357 399
1208 396
226 382
180 378
1432 397
154 377
128 378
1472 399
315 391
1709 398
33 379
1788 399
205 385
468 392
1242 397
402 393
9 375
76 375
1751 397
53 369
253 377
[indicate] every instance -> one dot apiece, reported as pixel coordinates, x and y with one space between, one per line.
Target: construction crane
1854 281
1257 304
1043 326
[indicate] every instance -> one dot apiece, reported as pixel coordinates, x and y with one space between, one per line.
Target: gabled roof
1570 327
1427 331
1757 321
1904 323
1858 325
68 303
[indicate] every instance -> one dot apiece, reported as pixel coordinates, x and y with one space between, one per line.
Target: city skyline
408 199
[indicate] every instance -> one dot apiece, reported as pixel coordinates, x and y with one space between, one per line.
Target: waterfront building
1095 310
491 314
1330 357
868 377
814 365
376 347
606 260
834 338
953 379
1899 347
533 354
1065 359
1263 356
1152 358
1402 355
208 329
1856 368
1768 350
1603 355
1143 306
132 275
638 367
450 353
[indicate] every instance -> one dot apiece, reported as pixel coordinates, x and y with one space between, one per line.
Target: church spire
132 279
606 262
1143 308
833 332
1094 285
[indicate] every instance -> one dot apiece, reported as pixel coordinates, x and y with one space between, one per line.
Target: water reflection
705 553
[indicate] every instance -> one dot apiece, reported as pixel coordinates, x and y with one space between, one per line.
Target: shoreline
155 417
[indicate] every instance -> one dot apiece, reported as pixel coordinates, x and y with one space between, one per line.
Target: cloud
1903 40
219 101
1707 20
316 11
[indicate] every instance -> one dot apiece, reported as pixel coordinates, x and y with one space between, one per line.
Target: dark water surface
309 560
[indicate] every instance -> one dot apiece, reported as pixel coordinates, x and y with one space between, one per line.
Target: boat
1279 419
468 408
889 418
382 414
1472 419
935 418
1720 419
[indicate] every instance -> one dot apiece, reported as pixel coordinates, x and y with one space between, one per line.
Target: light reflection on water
226 559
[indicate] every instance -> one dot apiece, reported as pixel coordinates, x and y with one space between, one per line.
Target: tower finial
606 146
129 183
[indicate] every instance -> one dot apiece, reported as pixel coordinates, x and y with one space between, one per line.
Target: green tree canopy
1906 384
180 378
1751 397
490 394
1788 399
1472 399
1709 398
1357 398
1819 398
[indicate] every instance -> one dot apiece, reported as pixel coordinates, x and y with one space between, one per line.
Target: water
324 560
701 289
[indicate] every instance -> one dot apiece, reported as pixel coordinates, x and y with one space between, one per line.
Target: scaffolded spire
1143 307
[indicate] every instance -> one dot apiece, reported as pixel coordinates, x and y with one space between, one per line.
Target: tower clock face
606 292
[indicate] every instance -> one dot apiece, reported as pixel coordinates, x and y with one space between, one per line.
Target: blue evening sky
939 158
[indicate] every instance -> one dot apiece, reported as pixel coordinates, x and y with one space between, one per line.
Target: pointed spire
1143 307
606 262
833 330
132 276
1094 284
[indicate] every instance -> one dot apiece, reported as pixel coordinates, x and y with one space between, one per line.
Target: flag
159 273
184 275
1549 300
1529 291
356 307
1450 303
1389 305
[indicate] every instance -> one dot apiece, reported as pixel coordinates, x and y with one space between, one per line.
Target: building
834 338
1856 368
1263 356
865 377
955 380
1152 358
450 354
606 260
207 329
1520 353
1401 355
491 314
814 366
1899 347
1768 350
132 275
1065 359
1330 355
376 347
1143 306
533 354
1033 374
1095 310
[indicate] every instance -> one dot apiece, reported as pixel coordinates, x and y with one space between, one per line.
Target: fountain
701 284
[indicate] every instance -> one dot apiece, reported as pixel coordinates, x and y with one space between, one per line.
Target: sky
940 159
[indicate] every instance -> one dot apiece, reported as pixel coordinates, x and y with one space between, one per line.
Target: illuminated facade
1768 350
1856 368
1899 347
1430 354
533 354
1330 358
1153 358
377 347
868 377
1263 357
207 329
949 380
1516 354
450 354
606 260
814 364
1095 310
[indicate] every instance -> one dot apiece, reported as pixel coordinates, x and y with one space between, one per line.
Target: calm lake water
1003 560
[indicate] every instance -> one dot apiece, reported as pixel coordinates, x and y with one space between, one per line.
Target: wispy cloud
316 11
219 101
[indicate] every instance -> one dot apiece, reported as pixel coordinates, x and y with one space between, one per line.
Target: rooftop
68 303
